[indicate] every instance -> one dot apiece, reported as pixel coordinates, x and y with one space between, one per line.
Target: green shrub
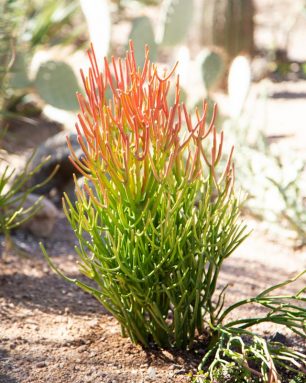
12 195
14 192
154 221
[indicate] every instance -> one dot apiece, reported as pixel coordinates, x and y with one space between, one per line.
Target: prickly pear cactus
238 84
57 84
176 18
228 24
142 33
19 78
212 66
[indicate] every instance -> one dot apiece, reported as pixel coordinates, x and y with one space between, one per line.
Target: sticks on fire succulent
156 217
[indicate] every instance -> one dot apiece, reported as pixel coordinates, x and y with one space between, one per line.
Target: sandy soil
51 331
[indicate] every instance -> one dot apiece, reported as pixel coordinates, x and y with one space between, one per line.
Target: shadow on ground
289 95
5 362
49 293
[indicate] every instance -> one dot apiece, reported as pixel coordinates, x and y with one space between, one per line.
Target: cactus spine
228 24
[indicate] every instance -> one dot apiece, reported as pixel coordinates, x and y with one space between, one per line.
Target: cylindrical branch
137 133
155 223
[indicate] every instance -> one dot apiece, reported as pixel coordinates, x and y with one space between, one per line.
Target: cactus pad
212 66
57 84
176 20
142 33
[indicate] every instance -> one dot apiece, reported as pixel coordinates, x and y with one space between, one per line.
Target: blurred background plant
15 206
271 174
41 24
10 17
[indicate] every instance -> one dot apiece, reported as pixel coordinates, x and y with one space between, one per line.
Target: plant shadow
49 293
5 363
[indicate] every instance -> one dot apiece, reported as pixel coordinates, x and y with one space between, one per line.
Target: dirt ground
51 331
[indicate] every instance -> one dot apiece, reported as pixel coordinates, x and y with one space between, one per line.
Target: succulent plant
228 24
160 219
56 83
142 34
212 66
176 18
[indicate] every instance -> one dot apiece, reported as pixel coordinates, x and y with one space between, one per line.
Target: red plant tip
129 128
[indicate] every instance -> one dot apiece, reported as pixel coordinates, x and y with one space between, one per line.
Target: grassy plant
48 20
156 223
292 194
237 351
13 195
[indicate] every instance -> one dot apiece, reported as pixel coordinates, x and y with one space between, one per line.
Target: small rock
151 373
56 147
167 354
82 349
90 372
41 364
42 222
182 371
93 322
202 351
278 337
